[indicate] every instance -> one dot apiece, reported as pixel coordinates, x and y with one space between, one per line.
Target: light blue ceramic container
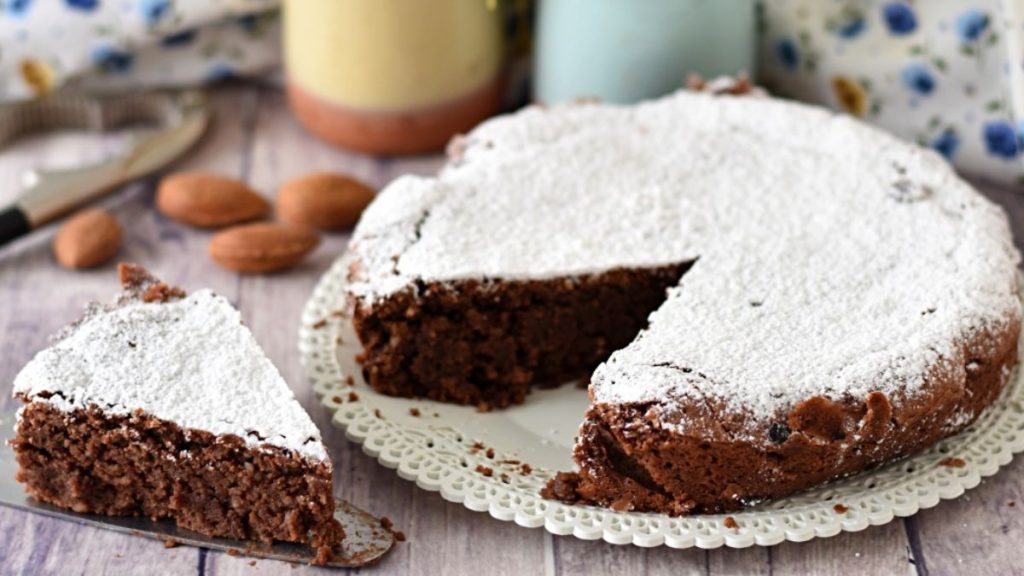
629 50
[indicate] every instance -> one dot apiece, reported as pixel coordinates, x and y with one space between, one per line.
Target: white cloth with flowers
101 45
949 74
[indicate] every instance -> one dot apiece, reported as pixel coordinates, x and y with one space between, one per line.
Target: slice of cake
163 405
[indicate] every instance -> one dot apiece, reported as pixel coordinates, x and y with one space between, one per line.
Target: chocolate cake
163 405
836 298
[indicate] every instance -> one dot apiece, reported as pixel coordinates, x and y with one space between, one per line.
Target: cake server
366 540
179 117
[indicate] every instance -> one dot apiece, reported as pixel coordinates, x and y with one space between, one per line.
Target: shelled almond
323 200
262 247
87 239
209 200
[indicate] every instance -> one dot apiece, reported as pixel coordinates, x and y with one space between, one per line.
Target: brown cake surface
848 300
102 433
630 461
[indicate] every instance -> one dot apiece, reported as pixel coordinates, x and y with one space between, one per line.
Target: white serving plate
445 449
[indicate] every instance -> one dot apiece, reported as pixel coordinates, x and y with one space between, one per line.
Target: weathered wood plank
574 556
34 544
877 550
981 531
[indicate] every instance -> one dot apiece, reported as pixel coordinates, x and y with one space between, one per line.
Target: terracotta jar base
426 129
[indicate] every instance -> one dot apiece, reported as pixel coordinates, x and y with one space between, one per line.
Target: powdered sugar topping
832 259
188 361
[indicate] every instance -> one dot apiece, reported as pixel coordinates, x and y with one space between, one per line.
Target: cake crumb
171 543
376 412
349 380
730 522
505 478
339 313
319 324
489 453
952 462
525 468
488 472
233 552
388 525
353 397
414 412
336 399
252 562
338 341
1011 503
161 292
840 509
476 447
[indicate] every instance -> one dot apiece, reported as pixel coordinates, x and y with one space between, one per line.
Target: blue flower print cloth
948 75
105 45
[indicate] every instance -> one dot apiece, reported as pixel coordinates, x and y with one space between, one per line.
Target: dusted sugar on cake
163 405
836 298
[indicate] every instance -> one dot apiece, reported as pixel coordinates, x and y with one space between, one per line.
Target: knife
181 118
366 540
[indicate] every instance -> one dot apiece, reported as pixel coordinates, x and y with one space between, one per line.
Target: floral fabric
948 74
109 44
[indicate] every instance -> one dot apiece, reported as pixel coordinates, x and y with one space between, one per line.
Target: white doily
478 458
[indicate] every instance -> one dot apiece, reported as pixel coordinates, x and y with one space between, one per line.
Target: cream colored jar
393 76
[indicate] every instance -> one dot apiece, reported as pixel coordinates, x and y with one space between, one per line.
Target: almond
87 239
208 200
262 247
324 200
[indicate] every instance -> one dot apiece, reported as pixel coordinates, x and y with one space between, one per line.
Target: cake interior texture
485 344
162 405
133 466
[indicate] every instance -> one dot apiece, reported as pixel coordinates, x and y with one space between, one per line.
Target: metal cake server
179 118
366 540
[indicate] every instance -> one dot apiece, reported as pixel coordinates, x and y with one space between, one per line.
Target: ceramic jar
393 76
622 51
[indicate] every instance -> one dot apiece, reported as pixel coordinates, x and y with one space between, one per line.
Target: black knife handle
13 224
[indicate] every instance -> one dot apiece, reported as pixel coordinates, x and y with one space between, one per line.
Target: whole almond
262 247
87 239
324 200
208 200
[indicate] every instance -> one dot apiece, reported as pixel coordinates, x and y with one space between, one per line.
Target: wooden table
256 139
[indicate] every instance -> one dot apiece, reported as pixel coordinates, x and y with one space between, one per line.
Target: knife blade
181 118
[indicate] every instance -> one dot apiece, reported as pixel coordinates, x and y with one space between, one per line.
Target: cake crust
629 461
